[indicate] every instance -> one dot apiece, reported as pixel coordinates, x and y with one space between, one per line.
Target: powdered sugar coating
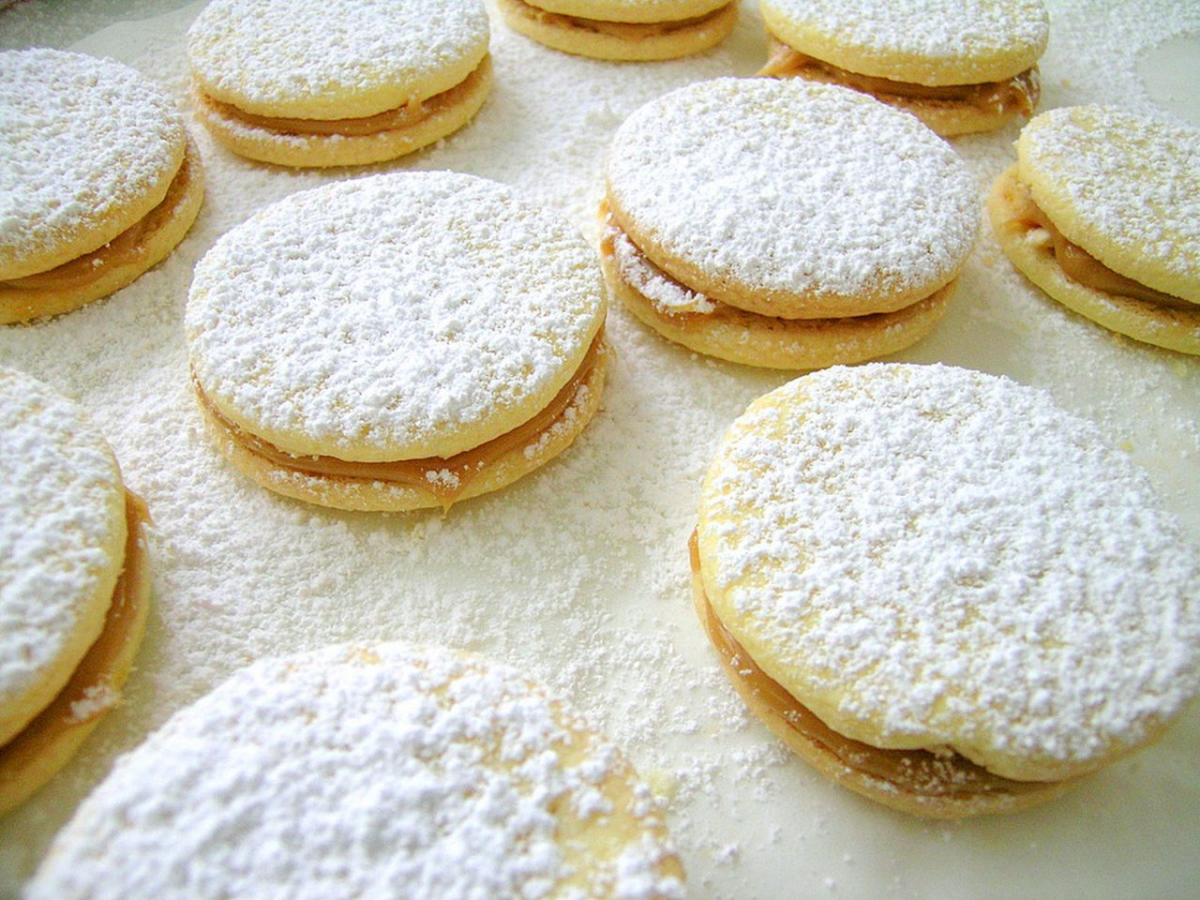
61 511
651 281
393 317
922 41
1123 186
932 556
790 188
334 58
366 771
87 146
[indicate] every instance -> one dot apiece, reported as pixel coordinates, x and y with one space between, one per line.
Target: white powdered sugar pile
956 560
288 57
57 481
769 185
359 772
578 575
80 139
395 312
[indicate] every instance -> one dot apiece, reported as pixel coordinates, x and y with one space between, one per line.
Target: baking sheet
578 574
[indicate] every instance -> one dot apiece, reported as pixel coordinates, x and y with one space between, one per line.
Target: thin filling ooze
629 31
413 113
444 479
1079 265
1021 92
921 773
126 248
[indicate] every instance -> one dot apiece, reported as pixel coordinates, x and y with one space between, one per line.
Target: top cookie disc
87 148
394 317
62 543
637 11
1124 187
334 59
792 199
929 557
368 772
930 42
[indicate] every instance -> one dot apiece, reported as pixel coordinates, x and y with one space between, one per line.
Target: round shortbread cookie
929 42
89 147
1031 249
929 557
726 332
1122 186
62 543
397 317
374 770
791 199
623 30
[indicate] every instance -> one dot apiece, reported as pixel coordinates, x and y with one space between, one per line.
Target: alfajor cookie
397 342
942 590
784 224
1099 211
623 29
958 66
337 82
73 583
99 180
368 771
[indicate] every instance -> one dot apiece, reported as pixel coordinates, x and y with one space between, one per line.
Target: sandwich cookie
942 590
368 771
397 342
958 67
99 180
337 82
74 587
784 224
1100 212
623 29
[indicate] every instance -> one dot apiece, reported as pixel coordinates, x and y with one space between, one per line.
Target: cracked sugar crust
1124 187
334 59
381 770
768 193
62 530
932 557
394 317
87 147
933 42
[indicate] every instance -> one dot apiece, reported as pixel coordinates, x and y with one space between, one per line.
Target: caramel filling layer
914 772
93 687
629 31
442 478
126 248
1021 92
412 113
1081 266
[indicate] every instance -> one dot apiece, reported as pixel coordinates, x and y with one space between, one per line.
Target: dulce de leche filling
1021 92
920 773
412 113
127 247
630 31
443 478
1081 266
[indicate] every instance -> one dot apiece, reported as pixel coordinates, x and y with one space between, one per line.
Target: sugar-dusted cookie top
931 42
788 198
932 557
394 317
368 771
1124 187
334 59
62 542
631 10
87 148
